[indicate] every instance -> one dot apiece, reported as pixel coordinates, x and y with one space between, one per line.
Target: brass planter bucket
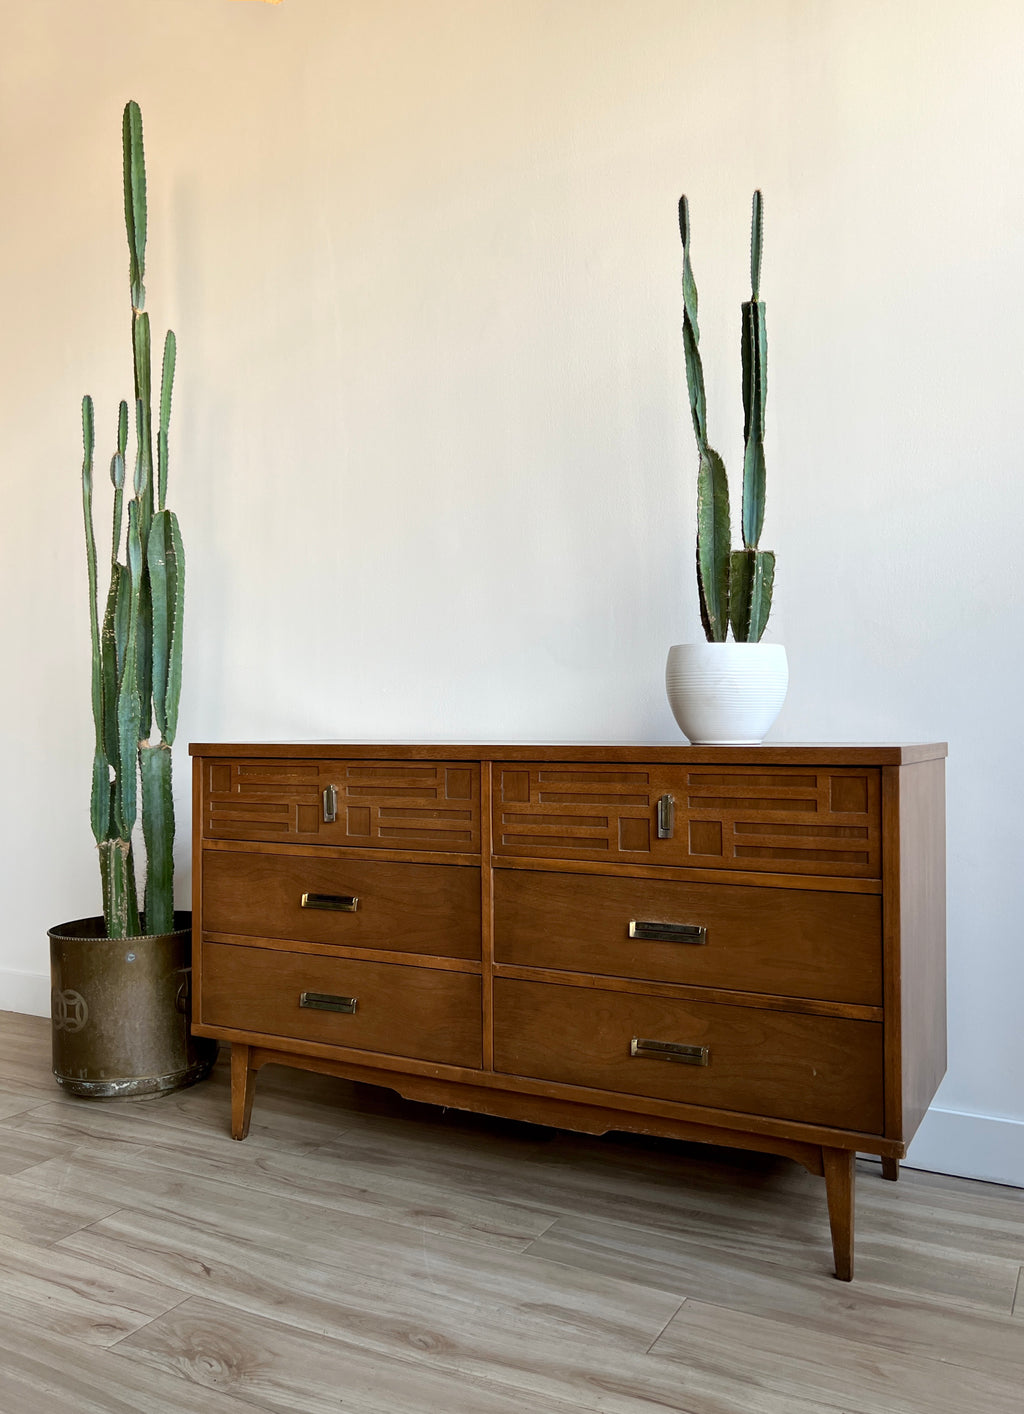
121 1010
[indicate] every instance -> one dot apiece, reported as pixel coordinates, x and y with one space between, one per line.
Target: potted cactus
726 691
120 982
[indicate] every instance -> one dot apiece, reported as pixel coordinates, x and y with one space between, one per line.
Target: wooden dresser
738 945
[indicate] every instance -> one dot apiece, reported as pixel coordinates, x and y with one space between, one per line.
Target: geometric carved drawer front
398 805
812 1069
775 819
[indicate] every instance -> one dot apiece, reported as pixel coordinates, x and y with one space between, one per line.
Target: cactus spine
735 586
136 651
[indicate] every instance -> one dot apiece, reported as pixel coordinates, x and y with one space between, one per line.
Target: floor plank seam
1018 1294
160 1315
665 1327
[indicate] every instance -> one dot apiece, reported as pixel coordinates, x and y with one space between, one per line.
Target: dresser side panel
922 814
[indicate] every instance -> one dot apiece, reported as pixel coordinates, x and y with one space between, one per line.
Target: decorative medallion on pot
120 982
729 692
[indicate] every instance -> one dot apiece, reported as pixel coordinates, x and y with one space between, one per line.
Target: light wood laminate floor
362 1255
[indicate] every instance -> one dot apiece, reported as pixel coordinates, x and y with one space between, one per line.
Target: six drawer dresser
736 945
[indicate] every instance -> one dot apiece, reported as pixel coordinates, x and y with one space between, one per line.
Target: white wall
431 451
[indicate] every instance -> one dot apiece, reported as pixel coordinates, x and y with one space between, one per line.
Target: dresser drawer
428 1013
763 819
418 908
813 1069
791 942
398 805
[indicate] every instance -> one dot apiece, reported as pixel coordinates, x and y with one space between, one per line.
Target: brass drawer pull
666 817
330 804
669 1051
332 903
668 932
323 1001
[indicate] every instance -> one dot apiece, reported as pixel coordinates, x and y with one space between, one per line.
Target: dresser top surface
781 754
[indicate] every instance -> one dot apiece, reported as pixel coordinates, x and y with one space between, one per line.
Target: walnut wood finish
818 1070
727 817
415 908
405 1011
792 943
408 805
818 990
839 1186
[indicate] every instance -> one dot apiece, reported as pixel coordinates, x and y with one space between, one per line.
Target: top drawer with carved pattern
397 805
775 819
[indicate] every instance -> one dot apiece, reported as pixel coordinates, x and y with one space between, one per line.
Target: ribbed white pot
726 694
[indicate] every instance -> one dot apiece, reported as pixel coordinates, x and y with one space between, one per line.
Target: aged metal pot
120 1011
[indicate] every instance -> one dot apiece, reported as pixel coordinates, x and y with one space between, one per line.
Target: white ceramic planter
726 694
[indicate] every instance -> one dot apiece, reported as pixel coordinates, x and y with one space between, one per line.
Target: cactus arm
117 466
750 593
167 580
754 354
689 284
100 794
166 388
143 418
144 504
112 641
176 606
713 540
754 349
691 335
695 383
135 201
713 530
120 898
756 240
156 563
158 832
128 705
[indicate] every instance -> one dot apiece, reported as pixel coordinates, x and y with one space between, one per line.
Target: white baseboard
27 992
970 1146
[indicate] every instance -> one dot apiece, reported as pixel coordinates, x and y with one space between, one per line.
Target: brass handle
323 1001
669 1051
330 804
331 903
668 932
666 817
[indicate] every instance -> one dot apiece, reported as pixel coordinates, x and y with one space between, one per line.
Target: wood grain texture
360 1252
831 1369
788 942
922 1015
817 1070
761 1000
839 1191
405 804
671 753
429 1013
415 908
803 820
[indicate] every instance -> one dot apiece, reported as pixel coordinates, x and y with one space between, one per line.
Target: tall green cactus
136 651
735 586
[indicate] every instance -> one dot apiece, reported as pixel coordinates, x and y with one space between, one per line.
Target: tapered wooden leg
243 1087
891 1169
839 1171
